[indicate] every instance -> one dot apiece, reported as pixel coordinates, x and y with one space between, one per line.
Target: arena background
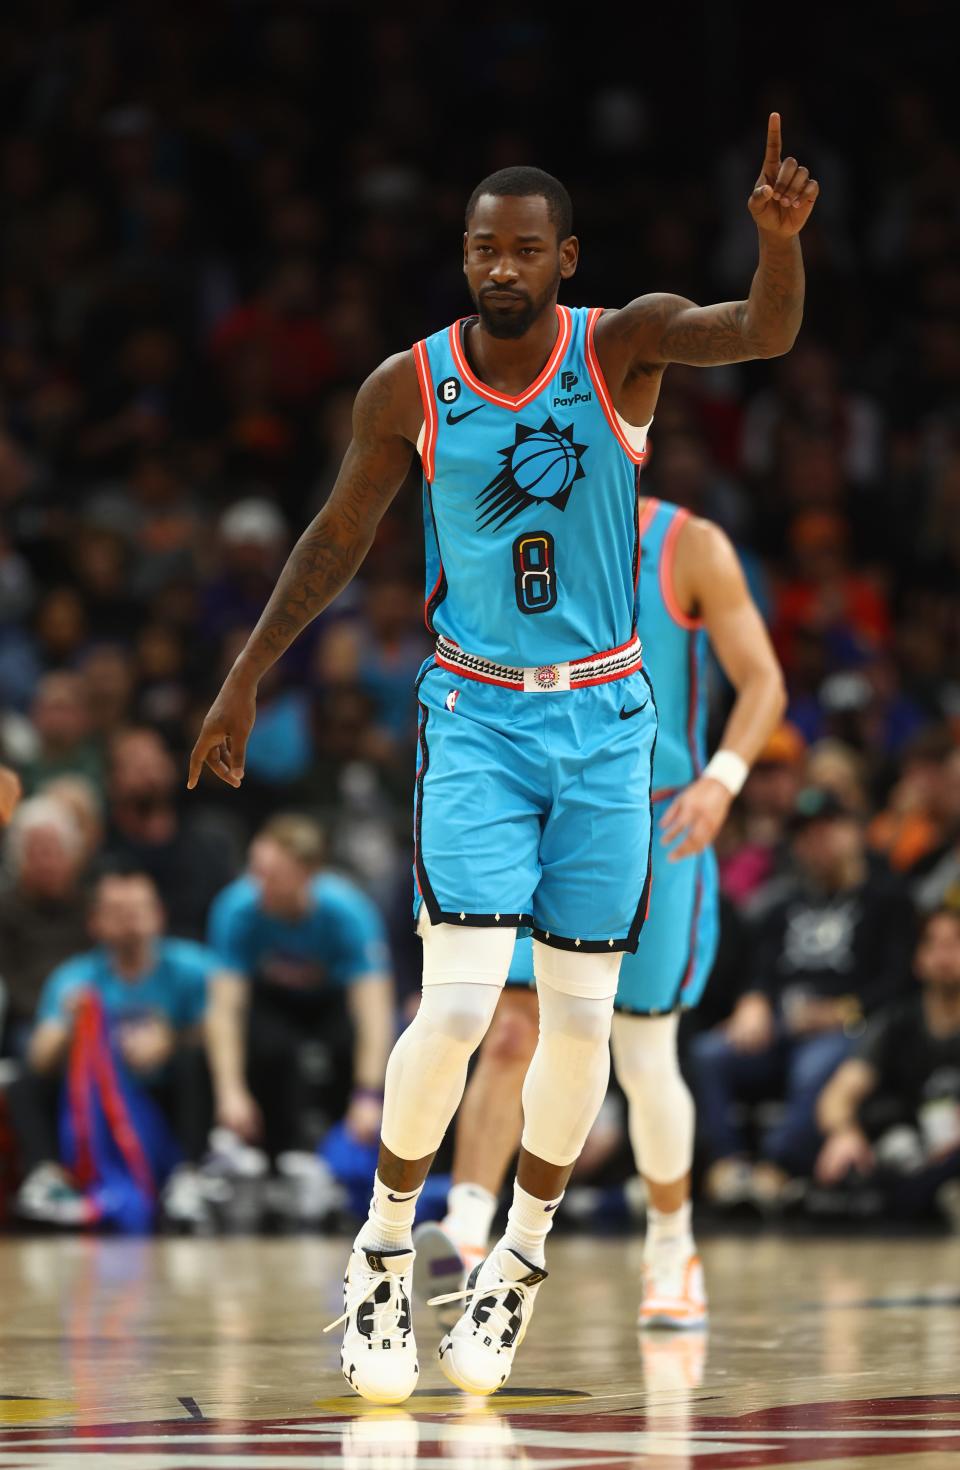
215 220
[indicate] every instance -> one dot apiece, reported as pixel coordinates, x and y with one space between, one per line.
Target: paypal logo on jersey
569 380
541 465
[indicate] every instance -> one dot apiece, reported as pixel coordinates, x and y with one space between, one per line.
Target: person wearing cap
830 949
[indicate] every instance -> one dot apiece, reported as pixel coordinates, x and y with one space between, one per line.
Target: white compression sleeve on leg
464 971
427 1070
661 1111
567 1078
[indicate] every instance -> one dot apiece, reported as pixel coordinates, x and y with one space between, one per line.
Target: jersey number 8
535 573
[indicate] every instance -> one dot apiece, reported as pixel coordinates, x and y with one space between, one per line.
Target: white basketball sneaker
477 1353
674 1293
379 1353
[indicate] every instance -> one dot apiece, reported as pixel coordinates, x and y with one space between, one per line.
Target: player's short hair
301 837
522 181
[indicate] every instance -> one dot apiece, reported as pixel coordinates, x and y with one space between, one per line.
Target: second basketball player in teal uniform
537 722
691 589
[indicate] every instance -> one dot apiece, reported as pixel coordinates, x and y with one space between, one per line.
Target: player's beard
515 321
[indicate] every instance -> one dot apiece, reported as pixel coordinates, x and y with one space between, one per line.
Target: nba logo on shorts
451 700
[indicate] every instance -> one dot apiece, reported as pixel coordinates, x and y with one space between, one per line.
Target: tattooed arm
659 329
386 419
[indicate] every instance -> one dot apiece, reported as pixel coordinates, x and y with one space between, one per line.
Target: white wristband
730 769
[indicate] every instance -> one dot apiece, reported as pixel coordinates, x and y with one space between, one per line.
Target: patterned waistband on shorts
596 668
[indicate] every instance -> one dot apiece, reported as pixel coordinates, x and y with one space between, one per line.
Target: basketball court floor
190 1353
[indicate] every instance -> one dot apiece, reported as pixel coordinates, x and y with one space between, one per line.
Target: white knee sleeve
568 1076
661 1110
474 955
574 973
463 973
427 1069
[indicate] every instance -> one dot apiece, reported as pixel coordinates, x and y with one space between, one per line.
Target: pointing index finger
772 158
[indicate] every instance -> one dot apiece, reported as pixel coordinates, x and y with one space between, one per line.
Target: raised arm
658 329
709 582
386 418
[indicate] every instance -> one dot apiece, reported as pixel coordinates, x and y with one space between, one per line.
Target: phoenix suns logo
541 465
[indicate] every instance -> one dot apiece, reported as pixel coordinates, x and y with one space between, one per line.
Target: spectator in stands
10 793
935 878
750 846
303 942
60 715
891 1114
188 857
154 991
831 949
42 909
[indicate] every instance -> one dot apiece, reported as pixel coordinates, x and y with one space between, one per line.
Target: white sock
389 1225
470 1212
669 1231
528 1225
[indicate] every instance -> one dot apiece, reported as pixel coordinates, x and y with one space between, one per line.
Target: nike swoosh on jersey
628 714
454 418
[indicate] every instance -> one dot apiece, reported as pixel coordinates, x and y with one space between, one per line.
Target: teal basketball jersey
530 503
675 652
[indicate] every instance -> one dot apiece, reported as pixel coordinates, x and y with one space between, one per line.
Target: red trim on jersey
603 392
663 793
428 455
505 400
606 678
645 516
667 555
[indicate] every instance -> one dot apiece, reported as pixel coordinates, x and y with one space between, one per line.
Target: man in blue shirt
154 992
307 956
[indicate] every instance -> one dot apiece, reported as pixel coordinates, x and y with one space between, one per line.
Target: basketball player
537 721
691 589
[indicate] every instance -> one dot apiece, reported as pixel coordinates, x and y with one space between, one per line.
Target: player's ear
465 237
569 255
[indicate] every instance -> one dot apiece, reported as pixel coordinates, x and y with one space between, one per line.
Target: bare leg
668 1198
402 1174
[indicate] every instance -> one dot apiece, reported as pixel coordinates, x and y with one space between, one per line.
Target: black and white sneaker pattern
379 1353
477 1353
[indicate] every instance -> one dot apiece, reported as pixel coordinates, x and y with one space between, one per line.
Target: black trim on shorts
463 920
438 915
641 913
423 882
649 1013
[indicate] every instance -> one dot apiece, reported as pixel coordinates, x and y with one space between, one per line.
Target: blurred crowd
210 230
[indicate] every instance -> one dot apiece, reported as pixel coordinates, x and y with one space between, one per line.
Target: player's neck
511 364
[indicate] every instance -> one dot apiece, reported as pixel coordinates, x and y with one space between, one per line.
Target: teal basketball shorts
678 946
533 809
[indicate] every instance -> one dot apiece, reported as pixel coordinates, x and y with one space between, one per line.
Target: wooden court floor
186 1353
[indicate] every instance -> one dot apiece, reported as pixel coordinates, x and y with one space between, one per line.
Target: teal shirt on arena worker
173 987
338 940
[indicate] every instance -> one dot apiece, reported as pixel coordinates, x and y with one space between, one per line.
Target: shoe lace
386 1314
501 1319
